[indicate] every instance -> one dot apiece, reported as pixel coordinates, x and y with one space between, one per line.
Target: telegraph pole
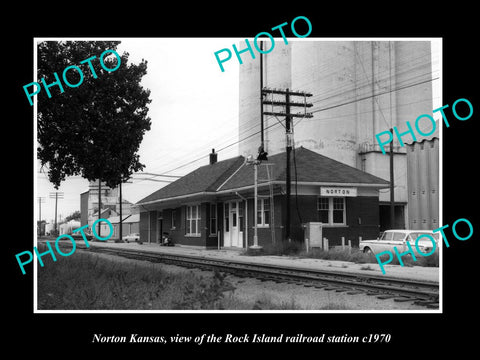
40 201
288 138
287 104
120 231
99 232
262 138
392 194
56 195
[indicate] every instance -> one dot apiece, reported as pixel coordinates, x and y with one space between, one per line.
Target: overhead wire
318 110
244 133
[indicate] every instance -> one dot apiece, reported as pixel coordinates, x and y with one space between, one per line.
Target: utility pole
255 206
99 232
120 231
288 140
40 201
56 195
262 137
392 194
287 104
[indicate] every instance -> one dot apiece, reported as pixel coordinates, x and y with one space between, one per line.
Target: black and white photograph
268 190
261 180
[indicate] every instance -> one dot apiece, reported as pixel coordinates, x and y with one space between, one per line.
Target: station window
338 210
331 210
263 212
174 219
192 227
213 219
241 217
323 206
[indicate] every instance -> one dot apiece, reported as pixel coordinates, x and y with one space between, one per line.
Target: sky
194 108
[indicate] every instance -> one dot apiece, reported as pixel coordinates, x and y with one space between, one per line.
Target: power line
315 111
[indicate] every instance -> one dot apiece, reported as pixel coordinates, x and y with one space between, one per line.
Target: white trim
176 197
276 182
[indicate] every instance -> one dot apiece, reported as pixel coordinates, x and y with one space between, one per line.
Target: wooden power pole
287 104
56 195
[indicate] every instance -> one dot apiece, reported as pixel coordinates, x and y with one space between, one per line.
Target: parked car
77 236
399 238
133 237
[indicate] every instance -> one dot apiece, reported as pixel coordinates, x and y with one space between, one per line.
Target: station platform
419 273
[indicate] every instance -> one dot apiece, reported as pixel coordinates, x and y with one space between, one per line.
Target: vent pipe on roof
213 157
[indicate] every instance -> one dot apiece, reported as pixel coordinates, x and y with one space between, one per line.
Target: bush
351 255
354 255
204 295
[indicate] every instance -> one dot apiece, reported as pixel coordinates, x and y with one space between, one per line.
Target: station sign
338 191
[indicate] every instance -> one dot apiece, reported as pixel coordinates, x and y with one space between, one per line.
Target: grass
85 281
90 282
351 255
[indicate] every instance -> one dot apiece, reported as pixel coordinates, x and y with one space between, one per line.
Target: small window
338 210
174 219
266 211
263 212
323 209
193 220
331 210
213 219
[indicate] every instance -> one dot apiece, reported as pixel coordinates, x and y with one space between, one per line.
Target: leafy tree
95 129
73 216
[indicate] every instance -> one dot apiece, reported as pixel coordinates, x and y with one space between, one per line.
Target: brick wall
362 219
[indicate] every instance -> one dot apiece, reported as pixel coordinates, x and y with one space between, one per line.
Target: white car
398 239
134 237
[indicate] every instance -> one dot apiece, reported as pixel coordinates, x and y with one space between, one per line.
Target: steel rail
420 292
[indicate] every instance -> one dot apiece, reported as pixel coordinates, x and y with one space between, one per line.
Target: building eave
307 183
173 198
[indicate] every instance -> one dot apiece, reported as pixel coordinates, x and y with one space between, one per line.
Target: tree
95 129
73 216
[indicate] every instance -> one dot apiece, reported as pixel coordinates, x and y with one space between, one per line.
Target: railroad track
417 292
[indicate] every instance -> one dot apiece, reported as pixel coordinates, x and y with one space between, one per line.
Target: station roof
205 179
307 167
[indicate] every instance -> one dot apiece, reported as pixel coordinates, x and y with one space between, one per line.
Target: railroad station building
213 206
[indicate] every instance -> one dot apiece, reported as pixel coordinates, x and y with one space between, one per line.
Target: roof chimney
213 157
